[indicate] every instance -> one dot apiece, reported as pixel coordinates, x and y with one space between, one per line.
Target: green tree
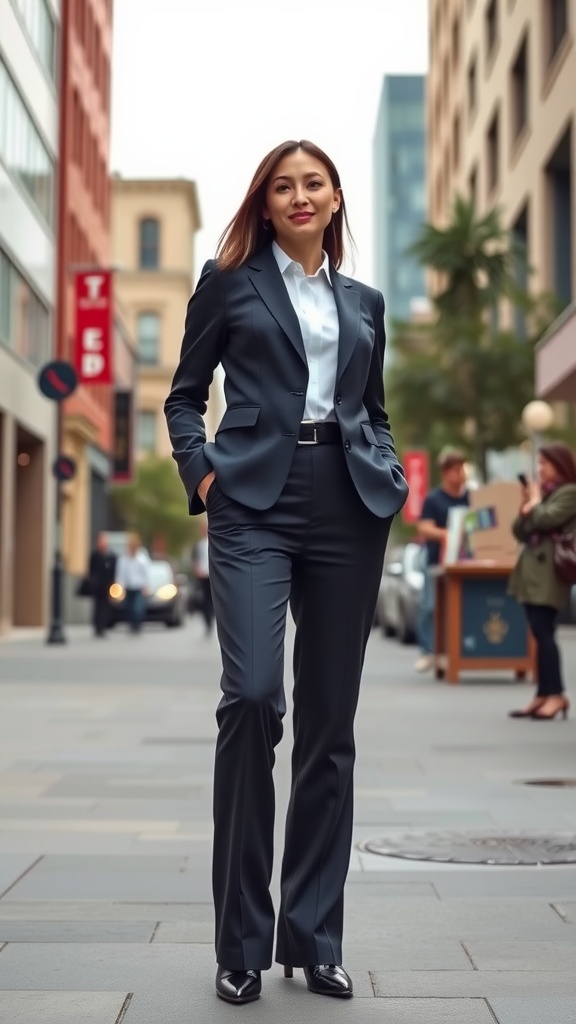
460 380
155 506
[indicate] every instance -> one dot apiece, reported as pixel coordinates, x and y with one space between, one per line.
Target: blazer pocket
369 434
239 416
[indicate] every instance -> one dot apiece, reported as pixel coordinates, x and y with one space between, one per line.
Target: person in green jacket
548 508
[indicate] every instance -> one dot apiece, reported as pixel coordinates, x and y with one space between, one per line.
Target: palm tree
476 259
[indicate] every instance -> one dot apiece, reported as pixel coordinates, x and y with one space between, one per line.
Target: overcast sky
204 89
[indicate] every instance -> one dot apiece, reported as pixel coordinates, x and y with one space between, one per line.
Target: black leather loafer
328 980
238 986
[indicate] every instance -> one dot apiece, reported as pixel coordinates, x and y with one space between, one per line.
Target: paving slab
76 931
61 1007
477 984
113 885
529 955
534 1011
12 867
100 910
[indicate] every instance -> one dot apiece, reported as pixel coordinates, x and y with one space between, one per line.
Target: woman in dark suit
301 486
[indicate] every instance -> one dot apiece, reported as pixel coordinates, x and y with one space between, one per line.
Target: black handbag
565 557
85 587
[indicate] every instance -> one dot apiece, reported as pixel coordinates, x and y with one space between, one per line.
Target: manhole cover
554 783
478 847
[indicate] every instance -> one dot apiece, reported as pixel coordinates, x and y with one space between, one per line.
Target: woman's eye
282 188
315 184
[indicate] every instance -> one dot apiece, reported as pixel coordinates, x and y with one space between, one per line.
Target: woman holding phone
548 507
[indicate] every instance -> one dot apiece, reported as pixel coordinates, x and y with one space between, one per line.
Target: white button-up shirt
132 571
314 305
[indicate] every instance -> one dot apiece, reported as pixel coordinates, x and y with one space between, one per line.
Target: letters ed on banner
93 348
417 468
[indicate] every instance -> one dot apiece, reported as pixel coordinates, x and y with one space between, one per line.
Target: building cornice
163 186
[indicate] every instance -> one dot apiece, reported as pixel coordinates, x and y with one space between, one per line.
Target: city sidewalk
106 752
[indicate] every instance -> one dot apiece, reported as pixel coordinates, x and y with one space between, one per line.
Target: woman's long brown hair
246 234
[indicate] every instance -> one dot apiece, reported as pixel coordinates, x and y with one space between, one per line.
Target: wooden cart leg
453 613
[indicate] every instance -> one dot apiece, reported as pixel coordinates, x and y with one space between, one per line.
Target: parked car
165 603
402 581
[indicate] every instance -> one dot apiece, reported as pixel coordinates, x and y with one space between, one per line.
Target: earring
265 223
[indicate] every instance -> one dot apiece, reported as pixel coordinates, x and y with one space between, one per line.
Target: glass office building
399 192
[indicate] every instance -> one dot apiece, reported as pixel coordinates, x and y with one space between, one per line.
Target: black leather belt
319 433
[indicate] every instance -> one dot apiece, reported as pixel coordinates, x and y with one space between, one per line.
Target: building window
520 90
556 13
149 243
521 242
41 27
491 26
455 43
148 338
493 153
22 150
473 186
472 85
24 319
146 431
456 141
559 173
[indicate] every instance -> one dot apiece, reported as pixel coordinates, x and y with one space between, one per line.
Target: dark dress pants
100 611
321 549
542 620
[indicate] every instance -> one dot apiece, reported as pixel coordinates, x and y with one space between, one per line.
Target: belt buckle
315 438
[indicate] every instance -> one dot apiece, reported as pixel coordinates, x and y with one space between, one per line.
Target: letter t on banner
93 341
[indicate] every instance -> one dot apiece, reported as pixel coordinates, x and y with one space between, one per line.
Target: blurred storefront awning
556 359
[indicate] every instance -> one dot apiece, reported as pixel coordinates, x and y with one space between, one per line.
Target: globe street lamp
537 417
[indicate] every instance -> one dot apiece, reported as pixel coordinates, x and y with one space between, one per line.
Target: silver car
402 582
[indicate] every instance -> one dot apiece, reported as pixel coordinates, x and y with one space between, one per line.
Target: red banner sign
417 468
93 349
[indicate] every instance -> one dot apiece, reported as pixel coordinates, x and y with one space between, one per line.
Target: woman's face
300 199
547 472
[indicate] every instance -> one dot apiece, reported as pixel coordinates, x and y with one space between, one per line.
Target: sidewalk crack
20 877
156 927
469 955
372 982
124 1008
491 1012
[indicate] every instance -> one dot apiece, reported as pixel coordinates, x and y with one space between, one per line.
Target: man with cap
432 527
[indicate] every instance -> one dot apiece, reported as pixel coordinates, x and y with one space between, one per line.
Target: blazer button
347 446
338 399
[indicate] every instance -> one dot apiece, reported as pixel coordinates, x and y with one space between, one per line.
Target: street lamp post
537 417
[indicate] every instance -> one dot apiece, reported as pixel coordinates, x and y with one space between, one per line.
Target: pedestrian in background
133 575
201 570
432 527
301 485
548 507
101 574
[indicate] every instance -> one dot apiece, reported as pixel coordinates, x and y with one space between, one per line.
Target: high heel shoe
528 712
325 980
238 986
557 705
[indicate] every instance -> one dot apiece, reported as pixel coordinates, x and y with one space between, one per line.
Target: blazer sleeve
374 391
202 346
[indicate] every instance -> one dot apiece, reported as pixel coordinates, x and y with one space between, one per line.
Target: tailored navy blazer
244 319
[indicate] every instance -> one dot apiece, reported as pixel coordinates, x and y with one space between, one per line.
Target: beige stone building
154 222
501 107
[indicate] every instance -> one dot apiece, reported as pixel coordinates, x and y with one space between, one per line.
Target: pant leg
207 604
100 613
250 574
334 591
426 614
542 620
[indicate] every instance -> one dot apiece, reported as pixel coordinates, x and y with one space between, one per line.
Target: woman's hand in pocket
204 486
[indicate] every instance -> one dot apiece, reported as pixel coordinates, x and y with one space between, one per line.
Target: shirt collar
286 264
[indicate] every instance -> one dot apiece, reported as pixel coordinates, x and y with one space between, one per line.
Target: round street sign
57 380
64 468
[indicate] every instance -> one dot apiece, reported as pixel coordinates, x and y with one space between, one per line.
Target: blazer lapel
265 275
348 305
